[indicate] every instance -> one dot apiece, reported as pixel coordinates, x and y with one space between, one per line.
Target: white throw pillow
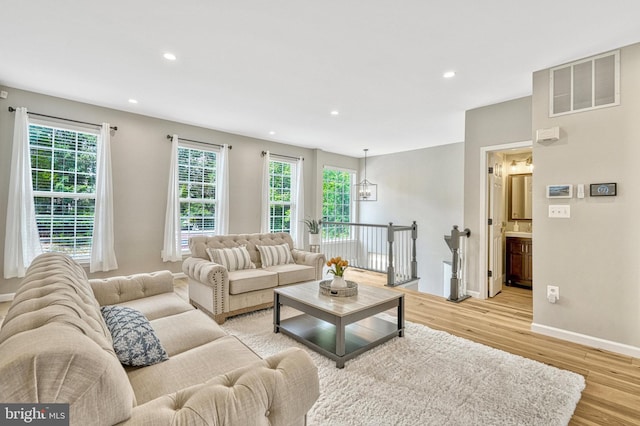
234 259
275 255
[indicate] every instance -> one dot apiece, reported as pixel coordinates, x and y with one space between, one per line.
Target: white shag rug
428 377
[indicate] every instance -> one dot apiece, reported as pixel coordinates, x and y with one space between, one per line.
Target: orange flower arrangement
337 265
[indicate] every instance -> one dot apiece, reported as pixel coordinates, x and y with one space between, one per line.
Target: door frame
483 254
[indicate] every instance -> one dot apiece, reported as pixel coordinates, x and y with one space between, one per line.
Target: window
337 204
584 85
281 175
197 183
63 171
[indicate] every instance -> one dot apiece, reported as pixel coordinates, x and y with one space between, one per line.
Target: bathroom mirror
519 194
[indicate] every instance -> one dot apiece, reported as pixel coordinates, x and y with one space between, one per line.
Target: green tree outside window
197 186
63 172
280 197
336 201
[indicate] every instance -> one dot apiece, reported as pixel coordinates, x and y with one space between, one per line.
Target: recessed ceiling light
335 112
133 101
169 56
449 74
272 133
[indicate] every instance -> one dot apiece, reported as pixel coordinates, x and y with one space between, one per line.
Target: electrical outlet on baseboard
553 293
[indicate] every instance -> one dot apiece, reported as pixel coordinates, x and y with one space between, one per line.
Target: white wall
424 185
497 124
593 256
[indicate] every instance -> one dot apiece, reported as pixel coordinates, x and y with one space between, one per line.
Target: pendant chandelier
365 190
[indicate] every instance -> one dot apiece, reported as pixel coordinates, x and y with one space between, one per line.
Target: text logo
34 414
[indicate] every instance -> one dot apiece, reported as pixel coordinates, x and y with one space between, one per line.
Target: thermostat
603 189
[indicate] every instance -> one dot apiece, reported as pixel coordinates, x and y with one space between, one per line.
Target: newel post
414 261
391 273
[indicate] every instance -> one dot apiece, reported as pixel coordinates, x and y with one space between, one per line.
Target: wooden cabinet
519 261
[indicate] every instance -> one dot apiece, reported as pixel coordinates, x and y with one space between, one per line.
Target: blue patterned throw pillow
134 340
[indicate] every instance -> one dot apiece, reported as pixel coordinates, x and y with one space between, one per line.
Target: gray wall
497 124
140 160
424 185
593 256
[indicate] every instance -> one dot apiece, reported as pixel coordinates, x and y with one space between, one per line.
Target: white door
496 228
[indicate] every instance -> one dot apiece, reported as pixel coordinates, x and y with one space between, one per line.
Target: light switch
560 211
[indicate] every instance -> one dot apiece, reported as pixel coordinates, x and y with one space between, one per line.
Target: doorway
505 216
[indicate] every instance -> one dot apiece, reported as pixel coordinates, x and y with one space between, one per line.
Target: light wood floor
612 394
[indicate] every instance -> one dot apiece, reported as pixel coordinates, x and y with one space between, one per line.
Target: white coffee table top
309 294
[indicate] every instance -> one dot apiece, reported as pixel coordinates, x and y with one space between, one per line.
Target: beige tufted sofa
222 294
55 348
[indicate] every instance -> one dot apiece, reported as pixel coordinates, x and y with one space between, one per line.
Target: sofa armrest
205 271
317 260
278 390
208 285
113 290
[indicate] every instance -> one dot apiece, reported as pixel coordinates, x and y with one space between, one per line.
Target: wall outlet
553 293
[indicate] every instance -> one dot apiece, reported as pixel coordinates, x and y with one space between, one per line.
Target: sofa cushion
234 259
190 368
116 290
275 255
160 305
134 339
172 331
251 279
293 273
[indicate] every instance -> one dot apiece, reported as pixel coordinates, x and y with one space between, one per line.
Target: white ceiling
250 67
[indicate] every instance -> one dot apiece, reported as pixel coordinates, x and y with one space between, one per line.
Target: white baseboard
8 297
474 294
583 339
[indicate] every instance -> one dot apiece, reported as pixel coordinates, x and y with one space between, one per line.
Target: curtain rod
12 109
281 155
205 143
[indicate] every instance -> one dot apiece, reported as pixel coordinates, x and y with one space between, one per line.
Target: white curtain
222 212
103 255
264 216
22 242
297 215
172 247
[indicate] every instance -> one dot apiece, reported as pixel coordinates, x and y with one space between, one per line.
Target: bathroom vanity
519 259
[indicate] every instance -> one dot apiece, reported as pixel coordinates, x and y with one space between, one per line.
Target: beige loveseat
223 293
55 347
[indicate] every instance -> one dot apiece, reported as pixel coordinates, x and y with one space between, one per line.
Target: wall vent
585 85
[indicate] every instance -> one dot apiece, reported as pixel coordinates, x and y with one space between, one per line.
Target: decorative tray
351 290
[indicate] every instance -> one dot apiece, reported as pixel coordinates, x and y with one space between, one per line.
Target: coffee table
339 328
